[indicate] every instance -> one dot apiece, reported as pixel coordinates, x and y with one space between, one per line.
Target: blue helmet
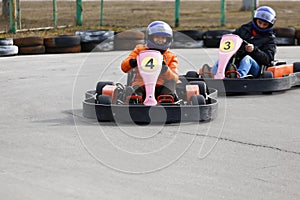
159 28
264 13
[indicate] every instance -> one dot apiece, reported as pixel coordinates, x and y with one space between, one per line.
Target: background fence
130 14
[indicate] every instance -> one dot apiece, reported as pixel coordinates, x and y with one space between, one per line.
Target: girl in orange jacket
159 36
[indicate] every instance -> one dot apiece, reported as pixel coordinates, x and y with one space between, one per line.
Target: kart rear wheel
104 99
100 86
197 100
296 66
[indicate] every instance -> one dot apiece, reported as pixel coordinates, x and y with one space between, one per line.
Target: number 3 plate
227 45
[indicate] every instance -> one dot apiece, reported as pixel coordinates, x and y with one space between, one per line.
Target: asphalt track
49 151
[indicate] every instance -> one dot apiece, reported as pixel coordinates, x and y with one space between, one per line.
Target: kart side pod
281 70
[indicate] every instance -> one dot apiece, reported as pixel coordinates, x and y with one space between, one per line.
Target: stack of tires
127 40
96 40
212 38
188 39
285 36
63 44
7 48
30 45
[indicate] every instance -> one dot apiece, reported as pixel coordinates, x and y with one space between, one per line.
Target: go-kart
279 77
193 101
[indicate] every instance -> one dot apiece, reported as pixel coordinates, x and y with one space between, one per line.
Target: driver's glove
133 63
164 67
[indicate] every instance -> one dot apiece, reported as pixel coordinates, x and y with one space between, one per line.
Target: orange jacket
169 58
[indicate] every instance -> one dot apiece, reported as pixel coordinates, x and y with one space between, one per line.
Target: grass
125 15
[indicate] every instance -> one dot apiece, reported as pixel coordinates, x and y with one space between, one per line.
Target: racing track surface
49 151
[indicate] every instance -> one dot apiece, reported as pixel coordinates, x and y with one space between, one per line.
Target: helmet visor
265 16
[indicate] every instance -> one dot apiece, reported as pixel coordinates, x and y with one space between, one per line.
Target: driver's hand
133 63
164 68
249 47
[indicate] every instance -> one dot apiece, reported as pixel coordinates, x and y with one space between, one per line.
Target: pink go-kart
279 77
111 101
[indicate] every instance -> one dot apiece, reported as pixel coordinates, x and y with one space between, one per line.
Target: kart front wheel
104 99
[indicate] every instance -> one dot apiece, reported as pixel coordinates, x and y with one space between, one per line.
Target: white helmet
264 13
162 29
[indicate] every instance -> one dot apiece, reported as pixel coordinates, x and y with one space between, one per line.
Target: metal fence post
54 13
101 12
12 16
19 14
79 12
223 7
253 7
177 9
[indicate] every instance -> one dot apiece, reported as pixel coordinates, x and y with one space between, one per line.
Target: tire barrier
285 36
96 40
30 45
188 39
7 48
127 40
63 44
212 38
106 40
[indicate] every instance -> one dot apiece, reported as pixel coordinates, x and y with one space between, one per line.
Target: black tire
104 99
6 41
134 35
289 32
202 87
97 47
197 100
29 41
296 66
212 38
32 50
100 86
192 74
62 41
73 49
126 44
95 36
285 41
267 74
181 37
8 50
194 34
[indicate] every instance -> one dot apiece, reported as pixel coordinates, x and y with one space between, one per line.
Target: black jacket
264 45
